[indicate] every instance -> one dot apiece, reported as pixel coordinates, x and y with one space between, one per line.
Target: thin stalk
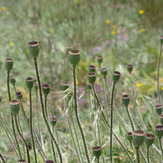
45 102
43 111
132 125
24 114
158 76
137 154
98 160
14 88
54 155
21 135
8 85
76 114
31 126
3 160
161 146
148 154
111 122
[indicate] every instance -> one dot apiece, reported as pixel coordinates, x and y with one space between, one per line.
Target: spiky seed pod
130 68
21 161
49 161
159 131
29 83
104 72
161 39
19 95
15 106
161 119
116 76
159 109
126 99
92 68
53 120
138 138
34 48
91 77
129 136
65 86
99 59
74 57
12 80
97 151
149 139
45 89
9 64
88 87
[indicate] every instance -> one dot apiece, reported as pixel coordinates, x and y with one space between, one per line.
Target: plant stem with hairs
158 75
21 135
76 114
31 126
43 111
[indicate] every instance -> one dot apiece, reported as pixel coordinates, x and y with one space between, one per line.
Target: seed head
74 57
138 138
104 72
15 106
126 99
159 131
159 109
34 48
29 83
9 64
130 68
45 89
99 59
19 95
116 76
91 77
149 139
97 151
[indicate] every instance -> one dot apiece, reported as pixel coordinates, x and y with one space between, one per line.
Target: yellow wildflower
11 44
139 85
113 32
107 21
142 30
4 8
114 26
141 12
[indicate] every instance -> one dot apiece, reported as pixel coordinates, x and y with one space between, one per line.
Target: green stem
54 155
158 76
24 114
111 122
43 111
31 126
76 114
98 160
161 146
132 125
8 85
148 154
21 135
3 160
45 102
137 154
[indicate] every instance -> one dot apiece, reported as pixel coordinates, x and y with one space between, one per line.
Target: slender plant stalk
148 154
21 135
31 126
111 122
45 102
98 160
43 111
3 160
137 154
23 111
158 76
161 146
132 125
76 114
8 85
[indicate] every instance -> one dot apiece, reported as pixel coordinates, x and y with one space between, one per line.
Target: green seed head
161 39
65 86
21 161
15 106
159 109
74 57
9 64
49 161
19 95
104 72
91 77
53 120
130 68
97 151
92 68
138 138
126 100
149 139
129 136
116 76
45 89
159 131
161 119
29 83
12 80
99 59
34 48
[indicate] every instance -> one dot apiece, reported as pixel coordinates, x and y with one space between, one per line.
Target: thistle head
34 48
116 76
14 106
138 138
9 64
97 151
74 57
